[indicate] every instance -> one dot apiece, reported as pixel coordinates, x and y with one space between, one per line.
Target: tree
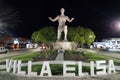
49 33
45 34
80 30
89 36
71 34
37 36
81 35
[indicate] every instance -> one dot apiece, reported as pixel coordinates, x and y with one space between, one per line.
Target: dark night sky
30 15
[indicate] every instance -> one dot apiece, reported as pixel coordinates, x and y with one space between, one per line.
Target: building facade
108 43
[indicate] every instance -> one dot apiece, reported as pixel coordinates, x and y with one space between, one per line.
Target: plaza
68 48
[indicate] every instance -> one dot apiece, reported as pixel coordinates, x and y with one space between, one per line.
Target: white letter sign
66 68
100 65
46 69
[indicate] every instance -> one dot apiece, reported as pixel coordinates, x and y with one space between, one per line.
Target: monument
62 19
61 24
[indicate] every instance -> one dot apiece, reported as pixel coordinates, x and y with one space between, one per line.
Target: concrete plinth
64 45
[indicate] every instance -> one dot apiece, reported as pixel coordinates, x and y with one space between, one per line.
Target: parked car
3 50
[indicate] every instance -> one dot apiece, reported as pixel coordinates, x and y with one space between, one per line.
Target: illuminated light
115 26
118 25
90 36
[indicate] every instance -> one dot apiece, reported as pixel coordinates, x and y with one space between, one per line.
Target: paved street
13 53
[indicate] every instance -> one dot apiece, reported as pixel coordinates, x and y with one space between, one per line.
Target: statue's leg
59 34
65 32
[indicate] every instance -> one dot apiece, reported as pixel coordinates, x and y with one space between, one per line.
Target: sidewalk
60 56
6 76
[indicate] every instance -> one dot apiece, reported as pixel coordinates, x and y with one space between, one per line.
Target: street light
117 25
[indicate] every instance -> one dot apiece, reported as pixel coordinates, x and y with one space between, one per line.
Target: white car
3 50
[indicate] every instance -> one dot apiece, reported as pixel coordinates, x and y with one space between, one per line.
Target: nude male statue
61 24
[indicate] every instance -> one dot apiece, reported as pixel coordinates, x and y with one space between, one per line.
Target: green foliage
37 36
80 32
81 35
47 55
89 36
37 68
75 55
45 34
49 33
26 56
94 57
56 69
76 34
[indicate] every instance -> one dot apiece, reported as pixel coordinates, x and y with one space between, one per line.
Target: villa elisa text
99 67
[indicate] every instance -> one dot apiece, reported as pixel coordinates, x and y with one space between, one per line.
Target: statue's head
62 10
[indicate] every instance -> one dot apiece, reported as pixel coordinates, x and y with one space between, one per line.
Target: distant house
8 40
13 42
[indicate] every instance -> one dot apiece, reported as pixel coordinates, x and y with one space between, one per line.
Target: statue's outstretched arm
55 19
70 20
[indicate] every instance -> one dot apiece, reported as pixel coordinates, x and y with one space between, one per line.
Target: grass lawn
36 56
96 56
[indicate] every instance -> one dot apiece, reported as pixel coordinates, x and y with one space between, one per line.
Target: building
10 41
114 43
108 43
13 42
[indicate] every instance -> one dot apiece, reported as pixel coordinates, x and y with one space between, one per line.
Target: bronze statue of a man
61 24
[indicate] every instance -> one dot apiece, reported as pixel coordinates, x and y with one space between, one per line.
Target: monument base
64 45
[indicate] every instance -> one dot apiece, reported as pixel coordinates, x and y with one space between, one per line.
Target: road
12 53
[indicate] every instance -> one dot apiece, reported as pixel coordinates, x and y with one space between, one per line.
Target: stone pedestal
64 45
